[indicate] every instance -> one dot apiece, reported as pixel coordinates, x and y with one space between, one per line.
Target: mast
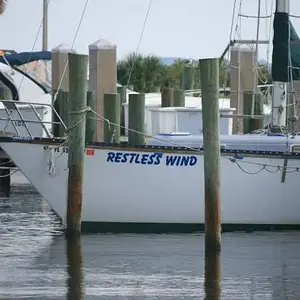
45 26
280 62
255 64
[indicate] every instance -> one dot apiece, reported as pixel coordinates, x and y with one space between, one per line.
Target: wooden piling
166 96
77 105
91 121
74 268
56 104
209 70
111 109
122 91
62 105
212 275
4 178
179 98
248 123
5 94
187 78
136 119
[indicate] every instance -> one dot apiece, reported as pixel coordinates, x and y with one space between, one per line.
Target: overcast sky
189 28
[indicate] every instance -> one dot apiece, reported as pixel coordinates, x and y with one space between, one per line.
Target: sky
174 28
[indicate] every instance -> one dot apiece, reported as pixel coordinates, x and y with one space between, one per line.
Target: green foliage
148 74
144 73
173 74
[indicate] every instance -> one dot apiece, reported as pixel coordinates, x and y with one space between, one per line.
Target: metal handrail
31 105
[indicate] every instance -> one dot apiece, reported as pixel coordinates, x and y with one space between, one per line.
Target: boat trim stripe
145 148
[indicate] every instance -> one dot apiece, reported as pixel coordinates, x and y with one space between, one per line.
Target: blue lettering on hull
151 159
181 161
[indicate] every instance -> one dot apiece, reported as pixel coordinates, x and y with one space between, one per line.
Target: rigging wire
139 41
73 43
34 43
234 159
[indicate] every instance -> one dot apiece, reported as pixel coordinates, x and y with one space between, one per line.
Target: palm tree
2 6
144 73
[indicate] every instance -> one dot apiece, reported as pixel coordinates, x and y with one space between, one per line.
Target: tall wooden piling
212 275
122 91
5 94
61 107
74 267
77 105
59 81
250 124
179 98
209 69
166 96
102 75
242 62
91 121
111 109
136 119
5 177
63 110
187 78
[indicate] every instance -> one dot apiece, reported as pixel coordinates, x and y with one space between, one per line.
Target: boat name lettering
19 123
57 149
151 159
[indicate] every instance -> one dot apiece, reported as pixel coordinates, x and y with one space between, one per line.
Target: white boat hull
117 195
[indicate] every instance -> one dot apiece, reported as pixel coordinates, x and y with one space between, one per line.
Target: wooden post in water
248 123
111 109
56 104
179 98
212 275
64 109
122 92
187 78
5 177
91 118
59 81
74 267
209 70
77 105
136 119
61 106
166 96
102 75
5 94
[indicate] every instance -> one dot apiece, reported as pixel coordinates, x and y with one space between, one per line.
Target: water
33 262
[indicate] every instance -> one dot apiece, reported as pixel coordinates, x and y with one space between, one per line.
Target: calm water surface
33 262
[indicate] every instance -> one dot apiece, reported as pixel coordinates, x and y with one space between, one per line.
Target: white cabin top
245 142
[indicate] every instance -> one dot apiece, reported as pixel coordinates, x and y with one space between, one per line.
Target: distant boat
158 187
23 75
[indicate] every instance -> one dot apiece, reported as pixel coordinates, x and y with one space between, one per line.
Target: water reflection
37 263
212 275
75 287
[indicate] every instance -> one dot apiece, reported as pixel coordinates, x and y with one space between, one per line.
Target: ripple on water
33 260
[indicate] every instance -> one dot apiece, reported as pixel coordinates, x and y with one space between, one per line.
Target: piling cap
102 44
63 49
242 49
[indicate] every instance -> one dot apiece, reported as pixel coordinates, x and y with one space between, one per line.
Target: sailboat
159 187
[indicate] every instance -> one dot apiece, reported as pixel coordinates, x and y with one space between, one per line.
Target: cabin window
295 148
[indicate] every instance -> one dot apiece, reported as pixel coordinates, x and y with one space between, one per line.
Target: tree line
148 73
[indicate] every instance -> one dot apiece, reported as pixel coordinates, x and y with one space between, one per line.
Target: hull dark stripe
159 228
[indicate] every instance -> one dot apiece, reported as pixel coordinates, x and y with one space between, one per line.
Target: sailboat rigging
158 187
